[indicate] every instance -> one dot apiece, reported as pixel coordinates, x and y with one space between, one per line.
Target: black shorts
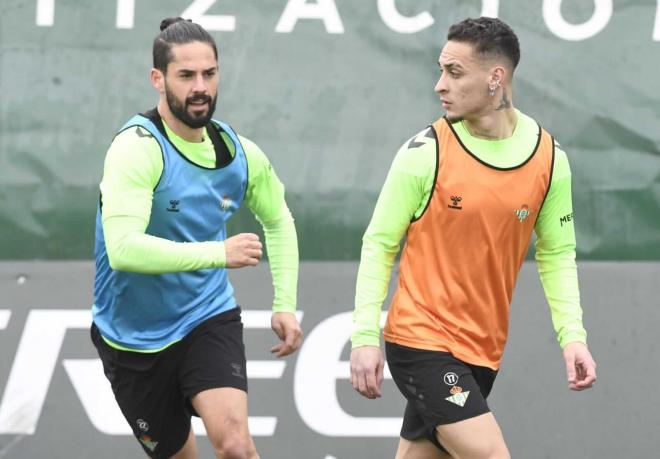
153 390
440 389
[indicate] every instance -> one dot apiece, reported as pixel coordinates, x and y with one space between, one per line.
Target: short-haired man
468 192
166 324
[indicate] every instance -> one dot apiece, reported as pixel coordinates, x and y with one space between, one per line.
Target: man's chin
197 123
198 119
198 112
453 118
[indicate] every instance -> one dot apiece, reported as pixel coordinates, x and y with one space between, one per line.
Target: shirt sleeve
132 169
265 198
403 197
555 255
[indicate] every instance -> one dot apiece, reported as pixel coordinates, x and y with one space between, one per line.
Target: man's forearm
282 247
373 280
558 273
130 249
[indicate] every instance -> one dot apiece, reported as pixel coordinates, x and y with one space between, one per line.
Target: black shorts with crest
439 388
154 390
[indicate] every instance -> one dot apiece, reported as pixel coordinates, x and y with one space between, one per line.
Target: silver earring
491 90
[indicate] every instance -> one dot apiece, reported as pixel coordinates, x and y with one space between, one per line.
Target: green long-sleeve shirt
133 167
405 195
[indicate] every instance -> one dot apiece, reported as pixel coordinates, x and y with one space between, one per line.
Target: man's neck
179 128
496 125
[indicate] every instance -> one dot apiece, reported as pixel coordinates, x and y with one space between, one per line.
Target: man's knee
234 444
496 450
483 450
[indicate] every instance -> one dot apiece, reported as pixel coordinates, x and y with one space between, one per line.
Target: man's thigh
225 416
222 408
474 438
419 449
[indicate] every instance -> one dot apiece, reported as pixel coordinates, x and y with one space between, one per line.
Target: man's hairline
213 47
482 59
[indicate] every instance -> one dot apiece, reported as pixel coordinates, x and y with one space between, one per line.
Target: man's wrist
573 337
365 338
220 254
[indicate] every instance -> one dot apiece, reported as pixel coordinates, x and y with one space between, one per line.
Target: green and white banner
329 89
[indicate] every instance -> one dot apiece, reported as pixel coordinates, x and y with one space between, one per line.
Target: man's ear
497 76
157 80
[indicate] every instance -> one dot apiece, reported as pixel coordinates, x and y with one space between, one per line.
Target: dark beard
180 111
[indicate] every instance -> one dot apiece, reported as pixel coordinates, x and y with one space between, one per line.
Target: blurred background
329 89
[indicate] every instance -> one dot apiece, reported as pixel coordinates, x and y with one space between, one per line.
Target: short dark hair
178 31
489 37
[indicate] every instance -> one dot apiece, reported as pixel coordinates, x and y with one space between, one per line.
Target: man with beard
467 191
165 321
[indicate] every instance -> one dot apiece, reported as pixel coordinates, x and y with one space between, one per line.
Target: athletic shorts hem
189 394
467 416
168 453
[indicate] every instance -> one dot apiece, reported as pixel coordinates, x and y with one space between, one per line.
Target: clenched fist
242 250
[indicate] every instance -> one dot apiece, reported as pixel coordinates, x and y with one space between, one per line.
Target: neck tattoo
505 102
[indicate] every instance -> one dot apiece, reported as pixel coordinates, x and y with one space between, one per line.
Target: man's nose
199 84
441 86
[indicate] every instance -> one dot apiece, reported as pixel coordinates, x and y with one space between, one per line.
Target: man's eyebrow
184 70
451 66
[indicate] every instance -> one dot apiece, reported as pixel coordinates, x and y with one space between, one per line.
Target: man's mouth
198 102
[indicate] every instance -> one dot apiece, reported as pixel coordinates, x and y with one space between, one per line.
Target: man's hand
286 327
580 366
367 370
242 250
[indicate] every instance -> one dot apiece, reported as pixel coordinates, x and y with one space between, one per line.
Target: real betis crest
458 397
148 442
226 203
523 213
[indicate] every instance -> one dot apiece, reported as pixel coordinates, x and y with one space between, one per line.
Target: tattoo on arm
505 102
